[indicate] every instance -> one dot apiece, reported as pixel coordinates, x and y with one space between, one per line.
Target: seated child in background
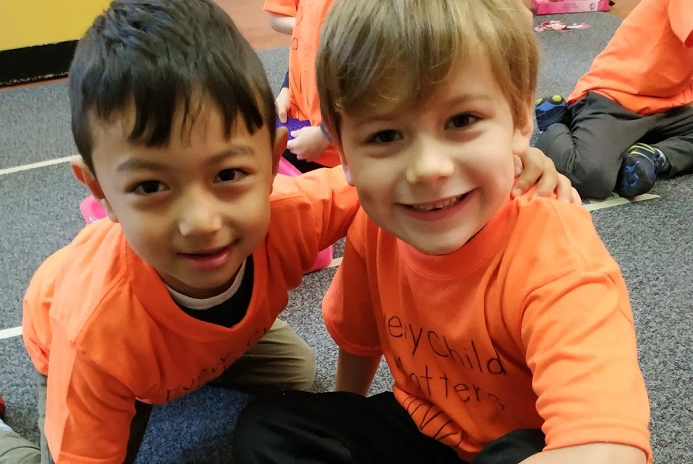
174 120
505 322
628 121
309 145
282 14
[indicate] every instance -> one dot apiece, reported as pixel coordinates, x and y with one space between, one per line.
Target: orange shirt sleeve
347 307
681 19
282 7
579 339
333 202
36 327
88 412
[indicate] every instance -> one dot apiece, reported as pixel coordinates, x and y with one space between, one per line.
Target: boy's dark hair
158 55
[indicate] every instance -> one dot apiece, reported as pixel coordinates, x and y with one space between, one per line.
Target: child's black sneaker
550 110
641 165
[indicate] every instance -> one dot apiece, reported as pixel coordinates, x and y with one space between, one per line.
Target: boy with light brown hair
505 322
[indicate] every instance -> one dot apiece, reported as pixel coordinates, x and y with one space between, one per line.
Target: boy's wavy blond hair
401 51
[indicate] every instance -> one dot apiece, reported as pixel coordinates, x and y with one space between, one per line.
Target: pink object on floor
545 7
93 211
559 26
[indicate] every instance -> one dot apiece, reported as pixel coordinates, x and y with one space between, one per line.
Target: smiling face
434 174
194 209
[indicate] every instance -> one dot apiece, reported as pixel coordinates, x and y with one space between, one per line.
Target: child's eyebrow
384 116
141 164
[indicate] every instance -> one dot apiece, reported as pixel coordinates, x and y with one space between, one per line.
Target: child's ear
280 139
523 133
87 177
345 167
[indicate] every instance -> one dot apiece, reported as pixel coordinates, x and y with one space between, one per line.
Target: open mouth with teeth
442 204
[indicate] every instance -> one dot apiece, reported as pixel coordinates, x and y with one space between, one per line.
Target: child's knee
594 181
300 367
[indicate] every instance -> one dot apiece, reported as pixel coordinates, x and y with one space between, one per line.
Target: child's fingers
564 189
518 165
534 169
550 183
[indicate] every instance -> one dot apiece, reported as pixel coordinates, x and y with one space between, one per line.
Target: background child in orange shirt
628 121
505 322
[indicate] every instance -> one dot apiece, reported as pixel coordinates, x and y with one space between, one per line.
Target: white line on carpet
9 333
40 164
616 200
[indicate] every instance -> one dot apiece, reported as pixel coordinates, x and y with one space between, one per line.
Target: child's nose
199 222
429 166
199 215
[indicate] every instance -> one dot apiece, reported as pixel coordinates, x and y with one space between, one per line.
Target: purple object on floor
292 124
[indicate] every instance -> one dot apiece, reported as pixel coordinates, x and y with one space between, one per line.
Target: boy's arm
681 20
349 315
594 453
355 373
282 14
282 23
88 413
579 340
334 203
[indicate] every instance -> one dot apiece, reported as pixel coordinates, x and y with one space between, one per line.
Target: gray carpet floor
39 213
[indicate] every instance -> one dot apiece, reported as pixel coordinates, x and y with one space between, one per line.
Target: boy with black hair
174 121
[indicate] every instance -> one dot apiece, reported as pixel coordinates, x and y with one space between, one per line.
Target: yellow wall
25 23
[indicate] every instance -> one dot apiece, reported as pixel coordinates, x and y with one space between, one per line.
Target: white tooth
436 205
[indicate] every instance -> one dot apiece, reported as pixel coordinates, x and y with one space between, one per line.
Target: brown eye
386 136
149 187
230 175
460 121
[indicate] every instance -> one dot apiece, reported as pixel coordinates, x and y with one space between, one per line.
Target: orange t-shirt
101 324
282 7
527 326
647 67
303 86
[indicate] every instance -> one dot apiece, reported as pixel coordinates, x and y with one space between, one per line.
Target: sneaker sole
634 177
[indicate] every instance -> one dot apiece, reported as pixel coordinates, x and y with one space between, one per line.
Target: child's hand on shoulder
308 143
534 167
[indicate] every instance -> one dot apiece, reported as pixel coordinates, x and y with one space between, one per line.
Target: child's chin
440 248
